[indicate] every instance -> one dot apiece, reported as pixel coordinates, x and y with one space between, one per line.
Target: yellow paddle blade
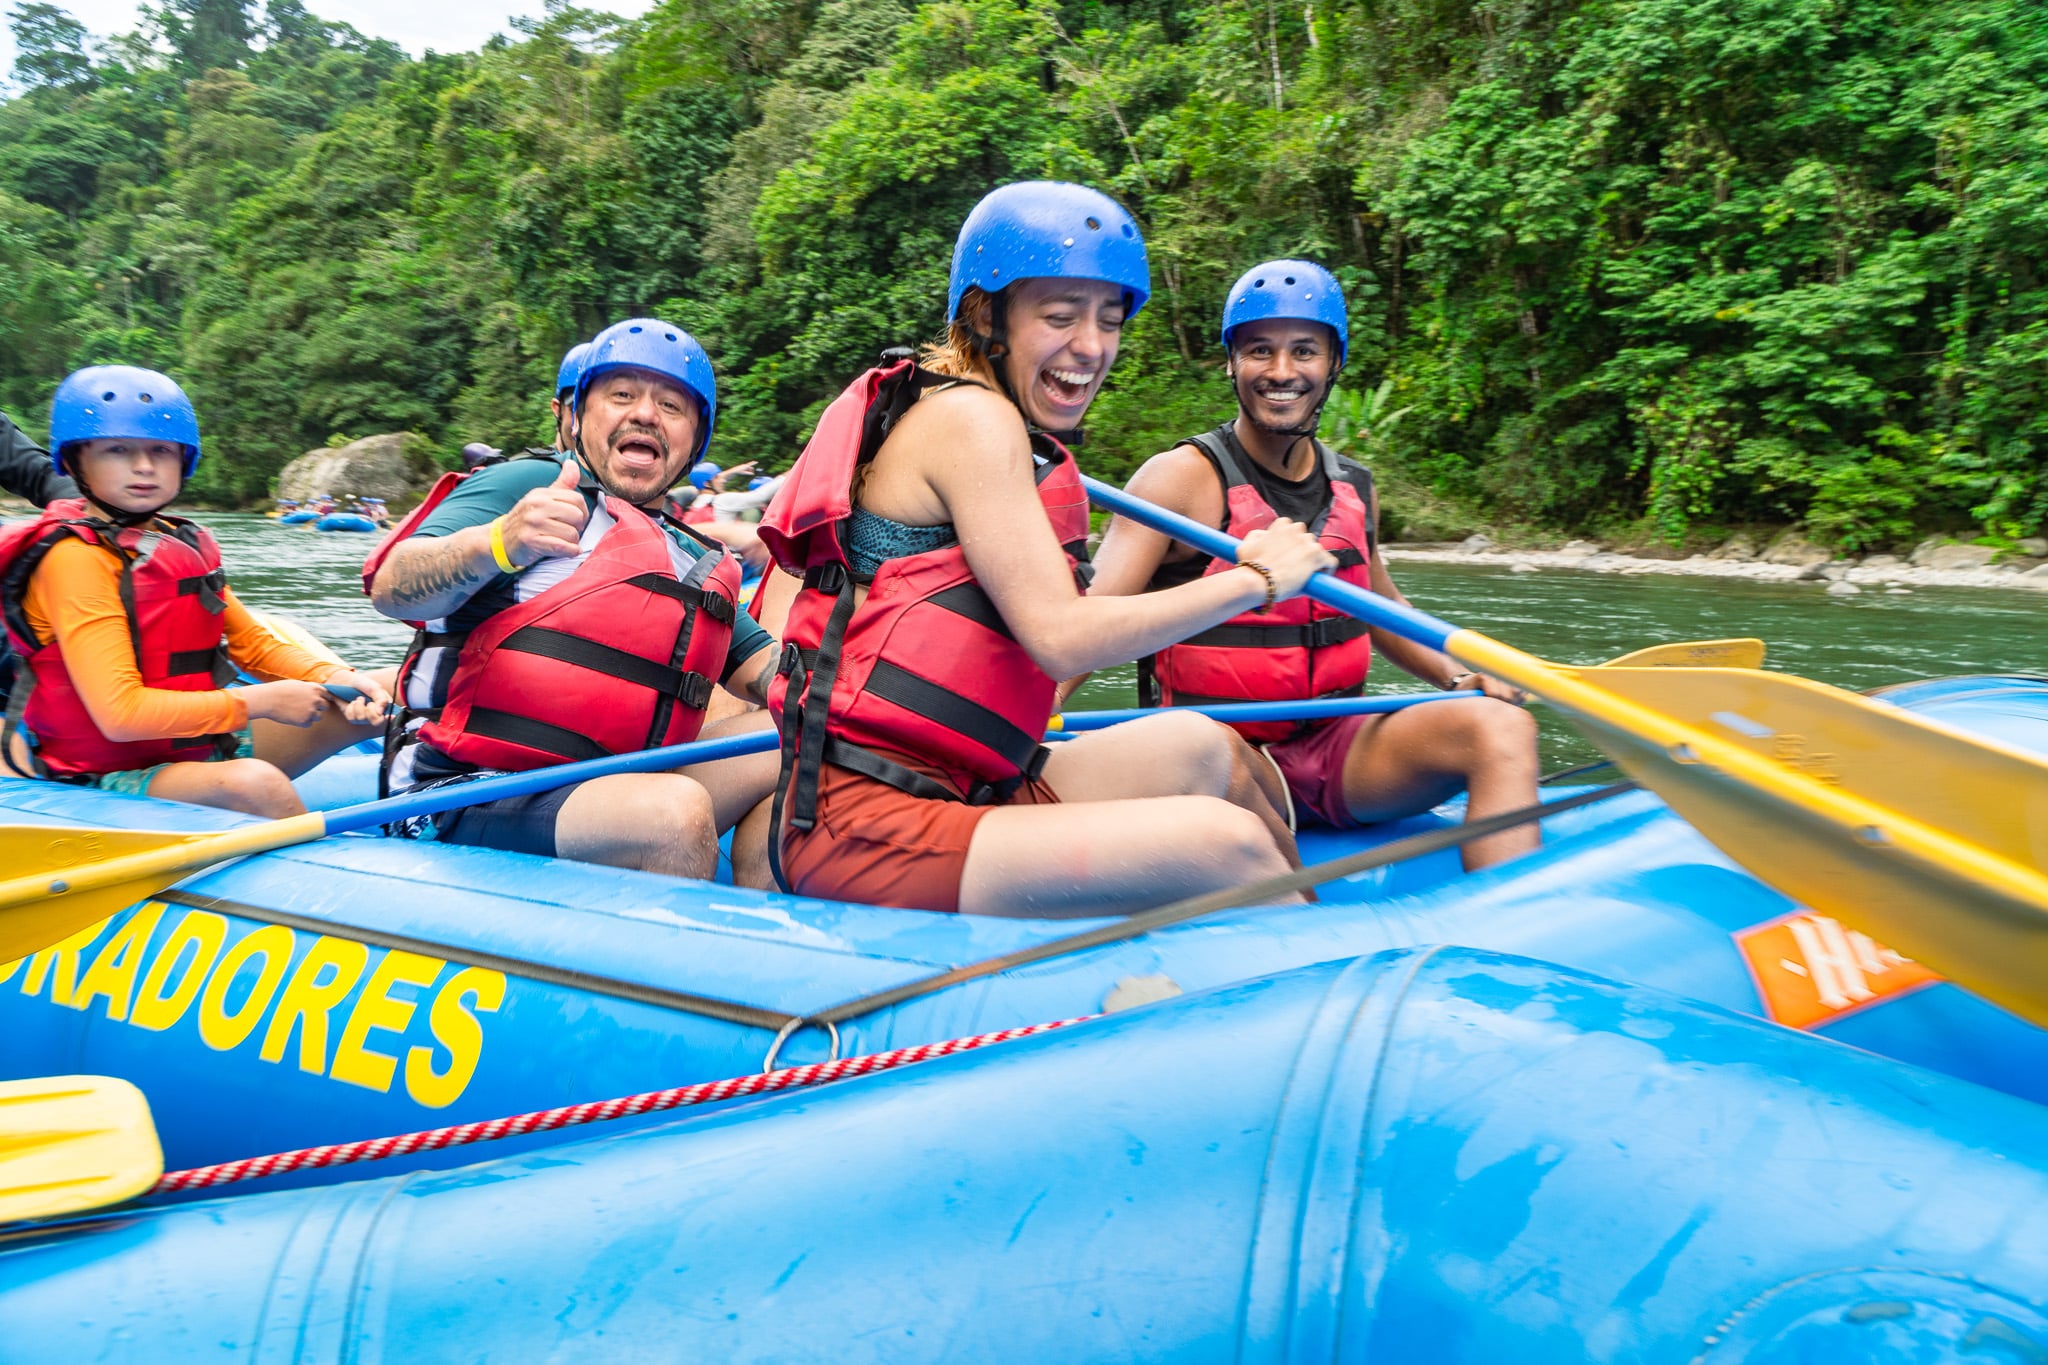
69 1143
66 879
52 853
1695 654
1926 837
282 627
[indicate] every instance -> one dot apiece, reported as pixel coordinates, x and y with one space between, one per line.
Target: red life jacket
1298 650
172 584
620 656
701 512
924 668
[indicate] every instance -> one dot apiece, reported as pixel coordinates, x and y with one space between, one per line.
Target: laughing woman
935 519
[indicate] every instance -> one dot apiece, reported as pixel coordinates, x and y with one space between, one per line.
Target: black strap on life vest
1331 630
810 675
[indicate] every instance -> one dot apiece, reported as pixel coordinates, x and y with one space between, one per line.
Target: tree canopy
1650 263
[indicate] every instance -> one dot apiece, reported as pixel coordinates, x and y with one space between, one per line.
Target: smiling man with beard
563 614
1285 332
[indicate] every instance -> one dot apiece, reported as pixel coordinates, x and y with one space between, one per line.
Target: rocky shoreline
1788 559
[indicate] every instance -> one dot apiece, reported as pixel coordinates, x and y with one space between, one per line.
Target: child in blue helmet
127 629
1284 335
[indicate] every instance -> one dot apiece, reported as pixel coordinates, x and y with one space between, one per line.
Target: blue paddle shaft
1369 607
457 794
367 814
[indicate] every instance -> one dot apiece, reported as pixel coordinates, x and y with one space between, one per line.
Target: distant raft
344 521
1433 1155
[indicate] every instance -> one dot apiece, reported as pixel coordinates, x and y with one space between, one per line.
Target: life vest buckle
829 578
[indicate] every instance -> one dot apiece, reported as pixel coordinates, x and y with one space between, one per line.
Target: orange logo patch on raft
1810 970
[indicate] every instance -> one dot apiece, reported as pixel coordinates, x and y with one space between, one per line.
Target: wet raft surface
252 1037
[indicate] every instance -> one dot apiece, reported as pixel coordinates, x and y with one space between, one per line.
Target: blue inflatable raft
1436 1156
297 518
362 986
344 521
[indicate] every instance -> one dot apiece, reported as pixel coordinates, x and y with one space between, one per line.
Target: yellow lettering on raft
113 972
203 932
456 1029
58 964
221 1031
376 1010
308 998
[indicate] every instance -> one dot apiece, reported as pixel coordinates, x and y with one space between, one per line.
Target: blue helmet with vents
571 368
665 349
1294 289
1049 229
121 401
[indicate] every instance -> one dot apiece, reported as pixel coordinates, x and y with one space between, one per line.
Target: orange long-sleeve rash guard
75 597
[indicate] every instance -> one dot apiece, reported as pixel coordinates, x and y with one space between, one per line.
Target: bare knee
1241 841
253 787
1211 754
683 839
1495 732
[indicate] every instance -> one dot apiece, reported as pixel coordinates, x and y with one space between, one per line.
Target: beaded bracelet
1272 588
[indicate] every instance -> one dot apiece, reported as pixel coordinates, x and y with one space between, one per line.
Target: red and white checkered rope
595 1111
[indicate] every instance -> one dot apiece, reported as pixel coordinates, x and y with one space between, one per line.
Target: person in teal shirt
576 546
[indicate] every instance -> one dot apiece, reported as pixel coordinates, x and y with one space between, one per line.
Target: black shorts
517 824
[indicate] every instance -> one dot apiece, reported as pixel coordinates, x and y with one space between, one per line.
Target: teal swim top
871 540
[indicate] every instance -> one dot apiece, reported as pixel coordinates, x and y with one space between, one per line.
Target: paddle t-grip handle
1332 592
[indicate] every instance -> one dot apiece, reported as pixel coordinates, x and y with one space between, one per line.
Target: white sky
444 25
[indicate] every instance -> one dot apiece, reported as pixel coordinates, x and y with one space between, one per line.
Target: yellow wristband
498 548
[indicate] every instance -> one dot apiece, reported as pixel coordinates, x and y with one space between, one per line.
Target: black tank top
1302 499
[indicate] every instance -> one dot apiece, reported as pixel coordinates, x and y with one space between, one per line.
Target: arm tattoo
757 686
425 573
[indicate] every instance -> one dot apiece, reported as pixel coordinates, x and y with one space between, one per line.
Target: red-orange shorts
879 846
1313 765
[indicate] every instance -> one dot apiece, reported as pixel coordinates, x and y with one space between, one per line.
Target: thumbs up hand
547 521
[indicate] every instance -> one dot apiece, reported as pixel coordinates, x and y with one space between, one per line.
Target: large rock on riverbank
397 467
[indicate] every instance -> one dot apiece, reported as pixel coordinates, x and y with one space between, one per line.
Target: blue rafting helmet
1288 289
105 401
759 482
664 348
702 473
572 367
1040 229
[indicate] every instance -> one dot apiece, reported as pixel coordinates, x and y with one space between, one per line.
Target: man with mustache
564 614
1285 333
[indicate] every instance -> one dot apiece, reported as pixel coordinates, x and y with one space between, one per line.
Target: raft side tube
286 1053
1439 1155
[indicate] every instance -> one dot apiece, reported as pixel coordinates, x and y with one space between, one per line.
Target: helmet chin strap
995 349
125 520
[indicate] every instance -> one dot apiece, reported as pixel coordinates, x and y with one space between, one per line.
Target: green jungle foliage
1662 262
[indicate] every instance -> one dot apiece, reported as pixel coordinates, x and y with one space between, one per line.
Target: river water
1564 615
